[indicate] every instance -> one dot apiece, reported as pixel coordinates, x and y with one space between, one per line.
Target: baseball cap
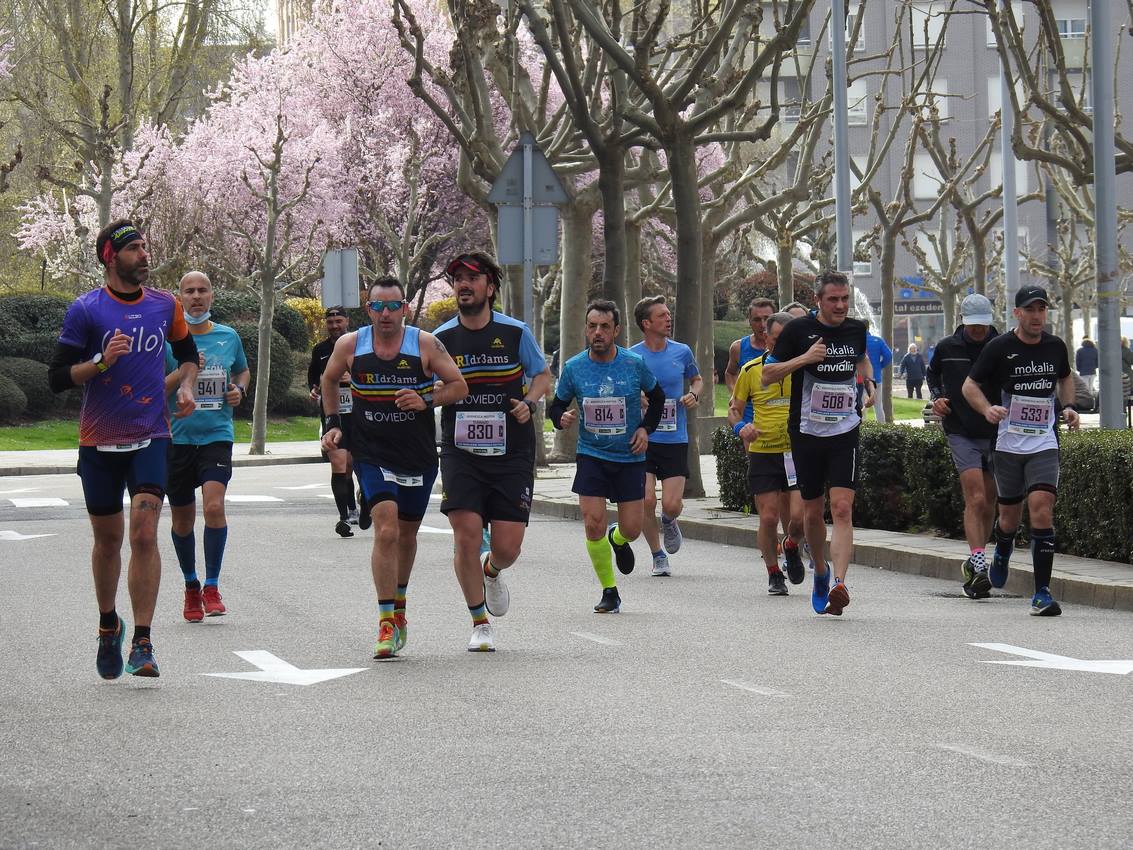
976 310
333 311
1029 295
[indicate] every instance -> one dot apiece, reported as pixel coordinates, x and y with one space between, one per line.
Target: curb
243 460
1066 587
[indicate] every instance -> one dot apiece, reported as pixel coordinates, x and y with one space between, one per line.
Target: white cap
976 310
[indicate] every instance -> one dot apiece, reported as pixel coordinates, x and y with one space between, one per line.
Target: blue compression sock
215 538
186 549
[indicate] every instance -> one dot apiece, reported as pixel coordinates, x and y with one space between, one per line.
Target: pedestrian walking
912 369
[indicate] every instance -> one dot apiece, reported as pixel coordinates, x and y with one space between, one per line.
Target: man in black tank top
488 437
341 470
392 374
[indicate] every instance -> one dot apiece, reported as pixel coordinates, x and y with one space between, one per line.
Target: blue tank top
748 352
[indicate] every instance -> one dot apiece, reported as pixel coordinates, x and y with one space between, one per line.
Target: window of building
1020 18
857 102
926 178
1022 175
1079 84
862 268
928 24
1071 27
790 99
936 95
852 12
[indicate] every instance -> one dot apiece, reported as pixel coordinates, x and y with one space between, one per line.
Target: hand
200 360
407 399
689 400
639 442
233 397
331 439
186 404
996 414
815 354
520 411
568 419
869 394
1072 418
941 407
315 394
749 434
119 344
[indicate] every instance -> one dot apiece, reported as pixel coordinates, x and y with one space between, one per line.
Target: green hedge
230 307
907 482
31 377
282 367
13 402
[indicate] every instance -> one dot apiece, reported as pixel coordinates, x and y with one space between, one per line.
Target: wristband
739 426
694 395
334 421
243 390
531 405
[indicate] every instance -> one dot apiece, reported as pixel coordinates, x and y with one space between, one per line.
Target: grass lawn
64 433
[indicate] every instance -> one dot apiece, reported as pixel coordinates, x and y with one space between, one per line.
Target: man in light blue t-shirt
607 381
200 454
672 363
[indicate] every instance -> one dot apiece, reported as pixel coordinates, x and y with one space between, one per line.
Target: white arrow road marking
273 669
755 689
597 638
428 529
234 499
15 535
982 755
20 490
305 487
1055 662
43 502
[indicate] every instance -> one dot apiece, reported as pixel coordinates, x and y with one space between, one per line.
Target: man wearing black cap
488 437
1028 370
970 435
341 467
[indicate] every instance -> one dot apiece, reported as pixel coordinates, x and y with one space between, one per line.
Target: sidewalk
1077 581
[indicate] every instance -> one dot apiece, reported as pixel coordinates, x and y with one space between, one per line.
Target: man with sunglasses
488 437
341 469
393 370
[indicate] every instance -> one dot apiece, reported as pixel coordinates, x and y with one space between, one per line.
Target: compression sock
186 548
140 632
399 599
603 560
979 560
108 619
479 614
490 570
1042 555
215 539
1004 543
385 610
340 485
617 536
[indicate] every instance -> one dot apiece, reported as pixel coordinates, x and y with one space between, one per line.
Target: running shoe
214 605
998 572
141 661
623 554
976 583
1043 604
821 592
194 610
364 518
402 628
777 584
342 529
109 659
793 561
386 647
352 516
481 640
496 595
661 565
485 542
673 536
837 599
611 602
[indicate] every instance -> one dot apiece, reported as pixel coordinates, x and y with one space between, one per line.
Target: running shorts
191 466
970 452
767 473
614 481
494 490
825 461
410 490
106 475
667 460
1016 476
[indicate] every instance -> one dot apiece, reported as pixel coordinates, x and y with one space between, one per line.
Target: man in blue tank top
747 348
393 370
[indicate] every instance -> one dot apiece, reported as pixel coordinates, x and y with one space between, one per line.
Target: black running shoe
623 554
777 584
342 529
611 602
793 560
364 518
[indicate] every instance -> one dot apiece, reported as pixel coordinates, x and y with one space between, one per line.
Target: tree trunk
784 268
633 277
263 357
611 183
1066 317
888 262
948 299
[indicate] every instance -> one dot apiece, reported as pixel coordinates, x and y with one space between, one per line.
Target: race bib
831 402
1029 416
345 398
212 381
789 468
481 432
604 415
668 416
124 447
403 480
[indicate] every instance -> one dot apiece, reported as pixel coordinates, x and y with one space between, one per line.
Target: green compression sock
603 560
617 535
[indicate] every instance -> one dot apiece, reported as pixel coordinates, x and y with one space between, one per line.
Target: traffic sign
341 286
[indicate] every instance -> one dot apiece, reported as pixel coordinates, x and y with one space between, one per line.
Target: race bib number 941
604 415
212 381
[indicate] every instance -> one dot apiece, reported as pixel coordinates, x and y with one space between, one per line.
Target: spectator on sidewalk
1086 362
912 369
881 357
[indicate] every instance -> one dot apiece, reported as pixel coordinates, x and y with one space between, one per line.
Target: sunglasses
379 306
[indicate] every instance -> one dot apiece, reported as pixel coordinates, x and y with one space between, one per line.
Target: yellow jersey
770 406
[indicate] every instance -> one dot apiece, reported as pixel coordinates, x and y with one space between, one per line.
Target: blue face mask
198 320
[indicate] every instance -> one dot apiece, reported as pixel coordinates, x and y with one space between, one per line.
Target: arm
521 408
692 397
941 405
238 389
864 371
733 369
773 372
184 349
436 359
1065 398
68 369
560 417
340 361
886 356
976 399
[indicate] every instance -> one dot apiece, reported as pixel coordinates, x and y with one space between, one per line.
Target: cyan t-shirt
609 402
224 357
671 366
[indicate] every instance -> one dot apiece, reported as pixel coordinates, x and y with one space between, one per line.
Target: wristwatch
531 405
100 362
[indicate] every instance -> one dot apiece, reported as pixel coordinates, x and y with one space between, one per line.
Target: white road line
15 535
428 529
982 755
304 487
605 641
755 689
20 490
44 502
231 498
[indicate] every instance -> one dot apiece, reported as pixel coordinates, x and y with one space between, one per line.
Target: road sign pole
528 232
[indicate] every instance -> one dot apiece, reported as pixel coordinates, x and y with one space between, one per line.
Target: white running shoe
481 640
673 536
661 565
496 595
352 516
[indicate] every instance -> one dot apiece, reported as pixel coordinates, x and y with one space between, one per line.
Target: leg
467 529
767 506
106 558
842 536
631 516
814 527
650 527
974 484
384 553
507 541
144 574
342 486
1040 506
406 549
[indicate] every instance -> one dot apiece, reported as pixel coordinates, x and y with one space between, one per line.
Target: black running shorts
825 461
486 486
191 466
766 473
667 460
106 474
612 480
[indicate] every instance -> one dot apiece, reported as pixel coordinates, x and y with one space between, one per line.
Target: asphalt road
706 714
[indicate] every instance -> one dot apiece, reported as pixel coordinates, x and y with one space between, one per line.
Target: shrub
282 366
312 312
232 306
31 377
731 469
1092 516
292 326
40 313
437 313
13 402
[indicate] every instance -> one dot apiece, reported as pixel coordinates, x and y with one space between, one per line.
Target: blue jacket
1086 360
880 354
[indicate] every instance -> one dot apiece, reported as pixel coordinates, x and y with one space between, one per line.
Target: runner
488 437
393 441
771 468
666 460
1029 370
970 435
607 382
341 467
829 349
747 348
113 346
201 453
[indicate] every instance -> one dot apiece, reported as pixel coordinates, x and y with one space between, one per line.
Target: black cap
1031 294
333 311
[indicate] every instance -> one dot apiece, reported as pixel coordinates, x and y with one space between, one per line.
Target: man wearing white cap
970 436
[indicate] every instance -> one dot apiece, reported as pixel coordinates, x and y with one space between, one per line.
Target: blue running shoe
141 662
821 593
109 658
485 543
998 570
1043 604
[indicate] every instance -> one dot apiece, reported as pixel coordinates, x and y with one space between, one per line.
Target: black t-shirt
824 400
320 355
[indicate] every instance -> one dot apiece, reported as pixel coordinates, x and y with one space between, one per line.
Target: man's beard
137 275
471 309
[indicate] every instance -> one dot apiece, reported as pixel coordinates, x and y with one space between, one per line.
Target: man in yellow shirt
771 469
